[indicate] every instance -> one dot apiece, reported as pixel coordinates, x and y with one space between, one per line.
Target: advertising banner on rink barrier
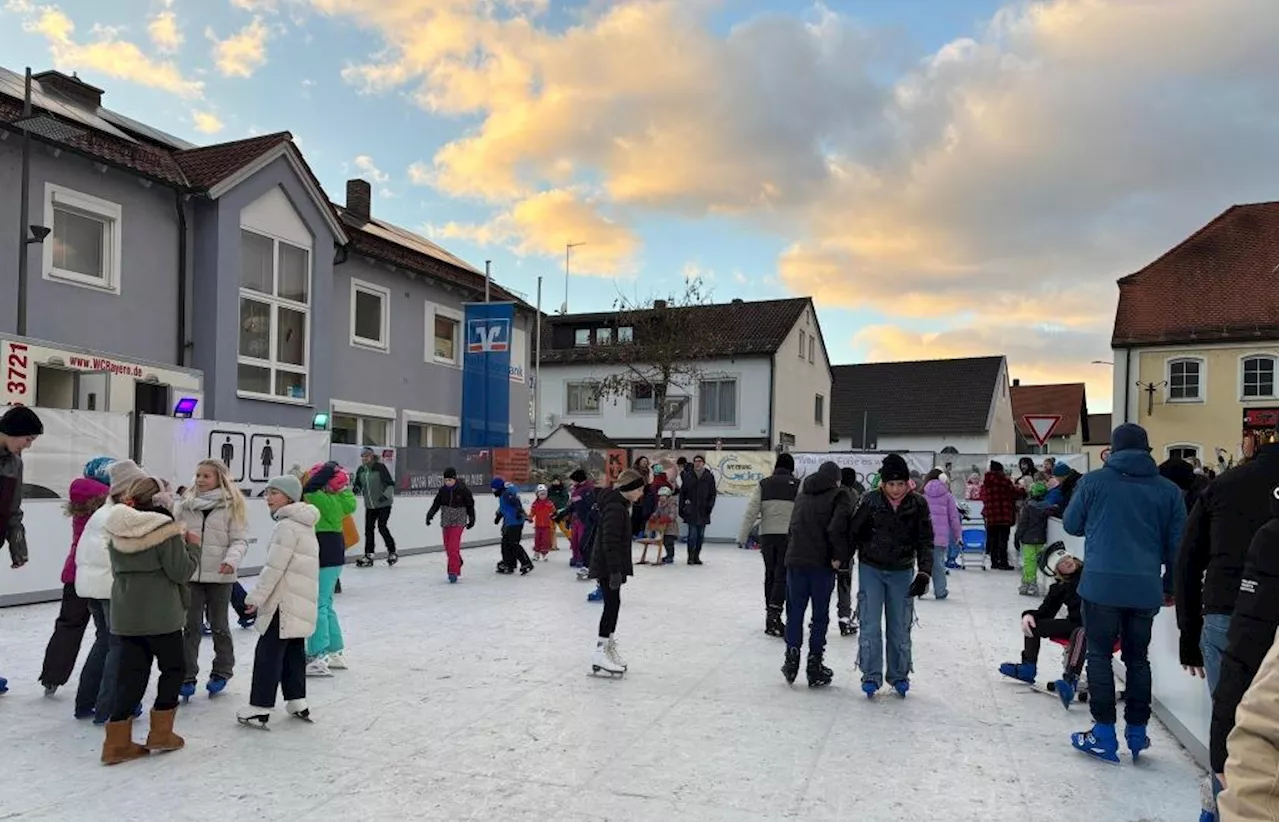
961 467
738 473
71 438
864 463
420 471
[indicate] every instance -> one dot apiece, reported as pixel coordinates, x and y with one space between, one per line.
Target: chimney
71 88
659 304
737 301
1016 383
359 198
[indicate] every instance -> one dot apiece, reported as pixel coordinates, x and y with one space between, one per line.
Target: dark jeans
278 663
238 594
1103 625
136 656
210 602
513 553
612 604
96 691
696 535
805 586
1057 629
998 545
377 518
773 550
64 645
844 594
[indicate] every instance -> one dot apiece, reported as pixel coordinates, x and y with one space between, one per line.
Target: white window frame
1182 446
813 344
1275 372
578 331
802 339
630 334
631 400
95 208
384 294
272 363
1202 389
427 418
737 401
363 411
569 412
429 345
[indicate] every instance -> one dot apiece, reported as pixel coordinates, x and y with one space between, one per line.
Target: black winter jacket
457 503
1252 631
611 553
1062 592
1033 524
697 496
1221 525
820 520
893 540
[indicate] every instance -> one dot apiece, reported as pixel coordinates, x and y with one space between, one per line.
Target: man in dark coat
999 513
611 562
844 577
697 499
817 546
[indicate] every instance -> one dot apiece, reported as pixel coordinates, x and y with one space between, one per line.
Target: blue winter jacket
1131 519
510 507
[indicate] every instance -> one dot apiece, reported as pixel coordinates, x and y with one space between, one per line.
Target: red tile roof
1067 401
1218 285
205 167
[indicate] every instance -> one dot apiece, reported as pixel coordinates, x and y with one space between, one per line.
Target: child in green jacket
327 487
152 559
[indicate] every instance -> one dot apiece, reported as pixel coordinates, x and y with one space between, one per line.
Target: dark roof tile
922 397
592 438
1067 400
205 167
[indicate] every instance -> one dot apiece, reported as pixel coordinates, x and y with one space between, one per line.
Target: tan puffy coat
1253 789
221 541
290 580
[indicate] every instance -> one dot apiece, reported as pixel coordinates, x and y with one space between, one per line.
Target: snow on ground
474 701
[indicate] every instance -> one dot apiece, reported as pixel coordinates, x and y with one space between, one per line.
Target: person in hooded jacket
1062 486
1030 536
771 504
1253 628
85 496
1207 579
457 509
817 546
511 515
611 563
582 514
846 620
893 537
1182 474
999 512
944 519
1131 519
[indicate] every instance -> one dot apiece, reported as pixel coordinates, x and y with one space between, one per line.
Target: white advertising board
865 464
71 438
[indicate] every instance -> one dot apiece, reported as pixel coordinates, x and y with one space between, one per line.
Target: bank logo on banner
489 335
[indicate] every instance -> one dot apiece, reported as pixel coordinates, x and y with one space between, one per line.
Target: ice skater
817 547
511 516
944 517
152 560
326 486
663 525
845 618
582 500
771 504
1044 623
1030 536
559 496
286 598
457 509
893 537
374 485
215 509
541 511
611 564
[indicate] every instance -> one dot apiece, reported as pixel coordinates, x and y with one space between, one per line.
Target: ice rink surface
475 701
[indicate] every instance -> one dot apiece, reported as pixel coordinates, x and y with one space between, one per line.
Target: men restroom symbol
229 448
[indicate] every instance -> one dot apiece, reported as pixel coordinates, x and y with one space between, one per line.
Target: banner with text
738 473
486 374
71 438
864 463
420 471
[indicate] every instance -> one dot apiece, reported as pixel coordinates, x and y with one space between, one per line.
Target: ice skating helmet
664 491
1037 490
497 484
99 468
1051 556
540 490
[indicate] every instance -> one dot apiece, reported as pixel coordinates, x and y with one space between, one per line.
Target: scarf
206 501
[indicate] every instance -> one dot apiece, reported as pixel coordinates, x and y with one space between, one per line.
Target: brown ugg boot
118 746
161 737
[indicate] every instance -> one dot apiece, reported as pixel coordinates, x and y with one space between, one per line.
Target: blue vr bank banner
486 375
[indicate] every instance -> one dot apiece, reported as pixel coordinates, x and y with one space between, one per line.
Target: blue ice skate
216 685
4 685
1066 691
869 688
453 578
1137 739
1021 671
597 595
902 686
187 691
1099 743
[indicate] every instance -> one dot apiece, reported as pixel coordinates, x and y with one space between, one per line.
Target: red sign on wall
1261 417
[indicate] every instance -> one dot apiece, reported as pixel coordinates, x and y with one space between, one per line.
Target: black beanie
997 467
451 473
578 475
848 477
785 462
894 468
21 421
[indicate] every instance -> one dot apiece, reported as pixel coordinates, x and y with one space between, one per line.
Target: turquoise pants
327 638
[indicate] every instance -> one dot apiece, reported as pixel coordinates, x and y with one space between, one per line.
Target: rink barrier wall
1180 701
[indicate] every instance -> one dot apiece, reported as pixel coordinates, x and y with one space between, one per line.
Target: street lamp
1101 362
564 309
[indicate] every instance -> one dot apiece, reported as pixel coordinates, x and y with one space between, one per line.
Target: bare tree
667 342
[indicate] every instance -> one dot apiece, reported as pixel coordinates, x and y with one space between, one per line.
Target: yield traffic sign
1041 426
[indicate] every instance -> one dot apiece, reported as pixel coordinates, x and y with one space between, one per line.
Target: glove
471 523
615 580
1028 625
17 545
428 520
919 585
497 518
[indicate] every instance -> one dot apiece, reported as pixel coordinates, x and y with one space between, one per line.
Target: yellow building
1195 340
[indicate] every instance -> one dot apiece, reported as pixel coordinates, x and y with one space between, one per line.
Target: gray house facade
225 272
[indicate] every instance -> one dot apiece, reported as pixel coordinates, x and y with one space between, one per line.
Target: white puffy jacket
93 562
221 540
290 580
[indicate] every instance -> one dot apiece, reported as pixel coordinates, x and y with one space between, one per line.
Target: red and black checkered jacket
998 499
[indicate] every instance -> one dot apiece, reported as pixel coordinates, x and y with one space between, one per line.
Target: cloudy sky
945 177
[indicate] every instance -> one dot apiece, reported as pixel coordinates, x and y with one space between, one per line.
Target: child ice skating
286 600
213 508
326 487
944 517
511 516
85 496
582 500
152 560
559 496
541 512
611 565
457 509
1031 534
663 525
1044 623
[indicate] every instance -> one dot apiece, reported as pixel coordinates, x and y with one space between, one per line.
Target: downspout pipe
773 370
180 205
1127 358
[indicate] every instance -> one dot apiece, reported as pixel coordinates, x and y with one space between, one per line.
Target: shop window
275 309
582 398
370 315
84 246
1184 379
1258 377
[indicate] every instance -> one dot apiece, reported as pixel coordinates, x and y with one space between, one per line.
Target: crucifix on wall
1151 388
